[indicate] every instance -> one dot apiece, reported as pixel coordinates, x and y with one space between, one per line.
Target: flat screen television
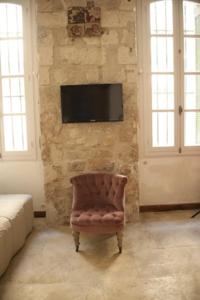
91 103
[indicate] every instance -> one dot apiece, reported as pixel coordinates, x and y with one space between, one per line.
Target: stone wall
70 149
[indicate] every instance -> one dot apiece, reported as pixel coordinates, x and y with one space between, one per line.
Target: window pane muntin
192 129
10 20
162 54
162 91
161 18
191 17
163 129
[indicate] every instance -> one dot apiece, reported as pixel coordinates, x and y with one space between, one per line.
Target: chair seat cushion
97 216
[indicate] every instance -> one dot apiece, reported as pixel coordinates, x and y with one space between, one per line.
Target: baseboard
167 207
39 214
146 208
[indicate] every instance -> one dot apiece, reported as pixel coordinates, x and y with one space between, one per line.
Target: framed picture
84 21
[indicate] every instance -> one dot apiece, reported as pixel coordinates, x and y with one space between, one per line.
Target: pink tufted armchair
98 205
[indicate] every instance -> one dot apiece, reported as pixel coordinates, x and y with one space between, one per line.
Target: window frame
30 84
144 80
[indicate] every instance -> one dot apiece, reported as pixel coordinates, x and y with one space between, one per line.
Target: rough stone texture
70 149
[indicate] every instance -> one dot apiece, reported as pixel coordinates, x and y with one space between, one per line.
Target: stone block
92 41
101 165
76 166
131 67
44 75
51 125
125 169
131 209
110 38
111 56
105 5
110 19
116 18
49 99
126 56
45 6
45 37
113 74
125 17
126 134
52 19
61 38
81 56
127 5
128 38
74 3
49 5
51 174
74 74
131 76
109 5
45 56
56 152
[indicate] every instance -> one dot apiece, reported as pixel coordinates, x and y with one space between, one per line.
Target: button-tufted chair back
98 190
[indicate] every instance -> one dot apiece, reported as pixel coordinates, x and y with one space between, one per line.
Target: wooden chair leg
76 239
119 240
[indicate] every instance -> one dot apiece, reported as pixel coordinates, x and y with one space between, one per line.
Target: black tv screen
91 103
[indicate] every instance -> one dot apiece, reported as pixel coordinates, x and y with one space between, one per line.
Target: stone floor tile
160 260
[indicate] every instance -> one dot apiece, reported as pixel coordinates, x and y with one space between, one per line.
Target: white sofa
16 221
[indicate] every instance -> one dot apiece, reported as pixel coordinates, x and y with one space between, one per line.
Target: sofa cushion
10 204
97 217
6 246
18 210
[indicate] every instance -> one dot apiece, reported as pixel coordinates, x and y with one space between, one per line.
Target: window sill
150 153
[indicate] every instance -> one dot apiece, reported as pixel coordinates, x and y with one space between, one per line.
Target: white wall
169 180
24 177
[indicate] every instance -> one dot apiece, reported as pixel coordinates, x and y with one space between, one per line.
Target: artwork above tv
91 103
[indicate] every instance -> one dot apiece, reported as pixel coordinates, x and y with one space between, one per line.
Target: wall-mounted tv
91 103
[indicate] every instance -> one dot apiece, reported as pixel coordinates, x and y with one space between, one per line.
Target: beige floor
160 260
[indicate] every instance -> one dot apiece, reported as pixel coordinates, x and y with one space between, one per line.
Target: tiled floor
160 260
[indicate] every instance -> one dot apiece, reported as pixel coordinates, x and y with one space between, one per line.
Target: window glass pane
13 95
163 129
13 86
10 20
6 96
161 17
192 129
191 17
8 137
162 92
11 52
15 133
162 54
192 91
192 54
7 106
